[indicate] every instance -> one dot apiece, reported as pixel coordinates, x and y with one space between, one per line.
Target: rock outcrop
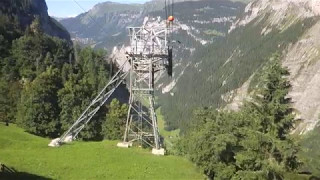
280 13
303 62
49 25
26 11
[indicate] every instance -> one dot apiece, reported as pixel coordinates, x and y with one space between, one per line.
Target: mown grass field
33 159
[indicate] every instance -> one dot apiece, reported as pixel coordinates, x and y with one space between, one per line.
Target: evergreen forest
46 82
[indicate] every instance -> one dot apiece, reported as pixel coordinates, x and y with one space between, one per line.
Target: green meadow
29 157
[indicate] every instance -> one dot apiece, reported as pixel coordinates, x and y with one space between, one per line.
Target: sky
70 8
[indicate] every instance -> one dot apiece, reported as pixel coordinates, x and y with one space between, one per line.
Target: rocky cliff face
303 62
49 25
26 11
281 13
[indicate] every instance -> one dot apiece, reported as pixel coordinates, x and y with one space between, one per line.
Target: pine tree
35 26
276 119
69 99
272 99
268 151
114 125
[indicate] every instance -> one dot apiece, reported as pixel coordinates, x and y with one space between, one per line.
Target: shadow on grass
7 173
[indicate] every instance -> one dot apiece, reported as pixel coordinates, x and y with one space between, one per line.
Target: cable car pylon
149 56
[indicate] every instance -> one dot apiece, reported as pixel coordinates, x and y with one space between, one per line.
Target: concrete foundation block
54 143
124 144
68 139
158 152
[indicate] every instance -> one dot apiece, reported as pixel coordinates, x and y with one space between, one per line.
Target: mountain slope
301 58
105 24
222 67
224 46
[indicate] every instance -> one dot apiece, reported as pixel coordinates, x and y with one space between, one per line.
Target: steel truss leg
141 124
93 108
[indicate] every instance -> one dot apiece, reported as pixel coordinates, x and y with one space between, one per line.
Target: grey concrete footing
54 143
159 152
124 144
68 139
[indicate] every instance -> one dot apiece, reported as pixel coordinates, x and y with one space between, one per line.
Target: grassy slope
168 135
87 160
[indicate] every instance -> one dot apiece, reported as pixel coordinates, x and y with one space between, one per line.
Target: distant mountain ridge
104 26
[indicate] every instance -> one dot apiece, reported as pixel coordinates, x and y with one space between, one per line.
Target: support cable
77 3
91 18
172 8
165 7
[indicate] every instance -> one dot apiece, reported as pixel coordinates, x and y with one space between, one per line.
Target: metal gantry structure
150 54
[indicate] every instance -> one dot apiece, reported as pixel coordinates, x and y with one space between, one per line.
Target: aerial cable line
169 9
172 8
165 7
101 28
85 11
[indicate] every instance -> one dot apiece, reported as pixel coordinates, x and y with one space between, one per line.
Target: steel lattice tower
148 57
150 54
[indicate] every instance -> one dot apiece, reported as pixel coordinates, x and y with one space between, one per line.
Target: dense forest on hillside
224 66
45 82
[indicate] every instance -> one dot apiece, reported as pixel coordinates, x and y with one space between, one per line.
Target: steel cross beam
94 106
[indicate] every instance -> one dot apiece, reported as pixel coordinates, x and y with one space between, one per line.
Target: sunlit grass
87 160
